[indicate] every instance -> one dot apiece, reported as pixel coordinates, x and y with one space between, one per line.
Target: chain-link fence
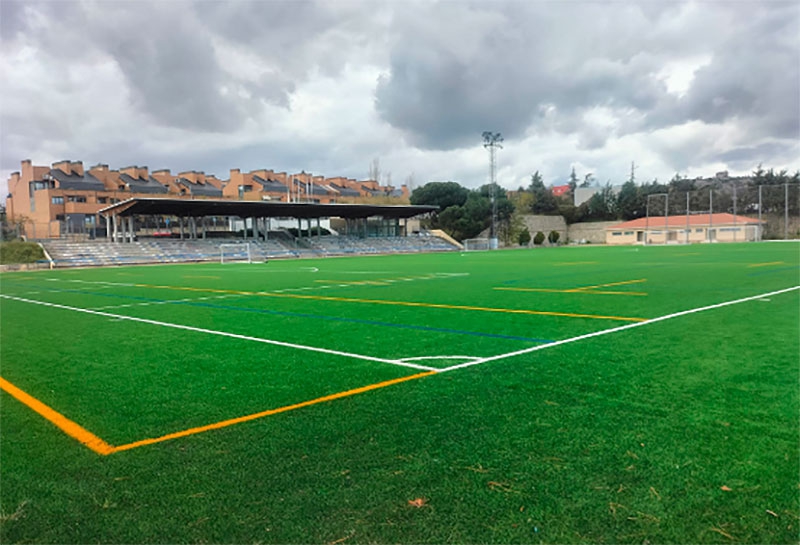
776 206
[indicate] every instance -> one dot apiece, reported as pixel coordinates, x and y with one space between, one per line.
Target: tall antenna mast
492 141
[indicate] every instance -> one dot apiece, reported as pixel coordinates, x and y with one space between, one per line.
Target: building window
698 230
628 232
616 233
57 200
102 200
76 198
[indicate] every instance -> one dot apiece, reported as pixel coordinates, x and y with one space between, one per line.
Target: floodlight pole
492 141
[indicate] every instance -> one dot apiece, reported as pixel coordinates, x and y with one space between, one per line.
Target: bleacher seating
66 253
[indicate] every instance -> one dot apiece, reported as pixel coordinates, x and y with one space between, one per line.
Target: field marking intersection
101 447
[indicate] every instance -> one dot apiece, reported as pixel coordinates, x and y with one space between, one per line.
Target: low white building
685 229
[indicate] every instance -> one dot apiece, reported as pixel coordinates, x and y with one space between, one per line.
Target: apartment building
64 198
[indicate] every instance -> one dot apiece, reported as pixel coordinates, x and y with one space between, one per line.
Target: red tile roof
559 190
695 220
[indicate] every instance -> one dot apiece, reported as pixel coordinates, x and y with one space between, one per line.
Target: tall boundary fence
777 206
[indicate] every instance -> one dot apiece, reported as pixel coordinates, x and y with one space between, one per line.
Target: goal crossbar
473 244
235 253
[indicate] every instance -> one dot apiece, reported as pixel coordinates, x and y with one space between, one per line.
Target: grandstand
100 253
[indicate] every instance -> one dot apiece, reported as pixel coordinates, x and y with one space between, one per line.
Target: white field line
222 333
615 330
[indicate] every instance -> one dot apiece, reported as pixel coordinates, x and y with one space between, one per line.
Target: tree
553 237
464 213
539 238
630 202
524 237
681 184
603 205
374 172
573 181
543 200
442 194
587 180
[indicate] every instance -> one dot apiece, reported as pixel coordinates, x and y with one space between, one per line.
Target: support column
130 229
203 226
180 226
108 229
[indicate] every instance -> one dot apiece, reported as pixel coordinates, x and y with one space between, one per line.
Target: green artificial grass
684 430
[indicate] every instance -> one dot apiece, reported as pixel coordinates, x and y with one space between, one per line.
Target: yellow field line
239 420
587 291
401 303
57 419
611 284
99 446
455 307
765 264
211 277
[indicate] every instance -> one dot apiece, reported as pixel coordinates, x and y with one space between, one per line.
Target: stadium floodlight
492 141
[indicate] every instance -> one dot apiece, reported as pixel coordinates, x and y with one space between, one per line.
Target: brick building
64 198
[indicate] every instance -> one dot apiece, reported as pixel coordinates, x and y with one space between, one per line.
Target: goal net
473 244
235 253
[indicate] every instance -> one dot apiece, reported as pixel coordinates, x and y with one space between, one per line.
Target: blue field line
304 315
772 271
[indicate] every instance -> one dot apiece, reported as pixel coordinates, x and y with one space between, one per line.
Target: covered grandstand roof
263 209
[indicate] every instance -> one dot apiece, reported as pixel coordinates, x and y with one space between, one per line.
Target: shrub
539 238
17 251
524 237
553 237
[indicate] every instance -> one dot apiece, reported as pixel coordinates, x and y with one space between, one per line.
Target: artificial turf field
565 395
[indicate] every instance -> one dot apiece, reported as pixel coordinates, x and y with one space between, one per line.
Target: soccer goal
473 244
235 253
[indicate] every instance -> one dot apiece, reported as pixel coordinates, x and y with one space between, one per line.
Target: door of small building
712 235
639 236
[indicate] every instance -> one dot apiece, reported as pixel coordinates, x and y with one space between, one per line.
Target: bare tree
375 170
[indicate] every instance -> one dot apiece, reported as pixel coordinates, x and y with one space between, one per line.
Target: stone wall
593 232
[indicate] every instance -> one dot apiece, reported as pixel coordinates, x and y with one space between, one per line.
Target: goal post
474 244
235 253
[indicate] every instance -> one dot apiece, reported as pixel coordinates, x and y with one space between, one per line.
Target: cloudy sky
327 87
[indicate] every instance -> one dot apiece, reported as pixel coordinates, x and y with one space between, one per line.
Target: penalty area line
615 330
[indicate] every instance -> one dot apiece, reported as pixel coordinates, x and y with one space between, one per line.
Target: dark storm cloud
12 19
575 57
744 158
166 59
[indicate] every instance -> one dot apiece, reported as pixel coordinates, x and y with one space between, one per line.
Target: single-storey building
685 229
